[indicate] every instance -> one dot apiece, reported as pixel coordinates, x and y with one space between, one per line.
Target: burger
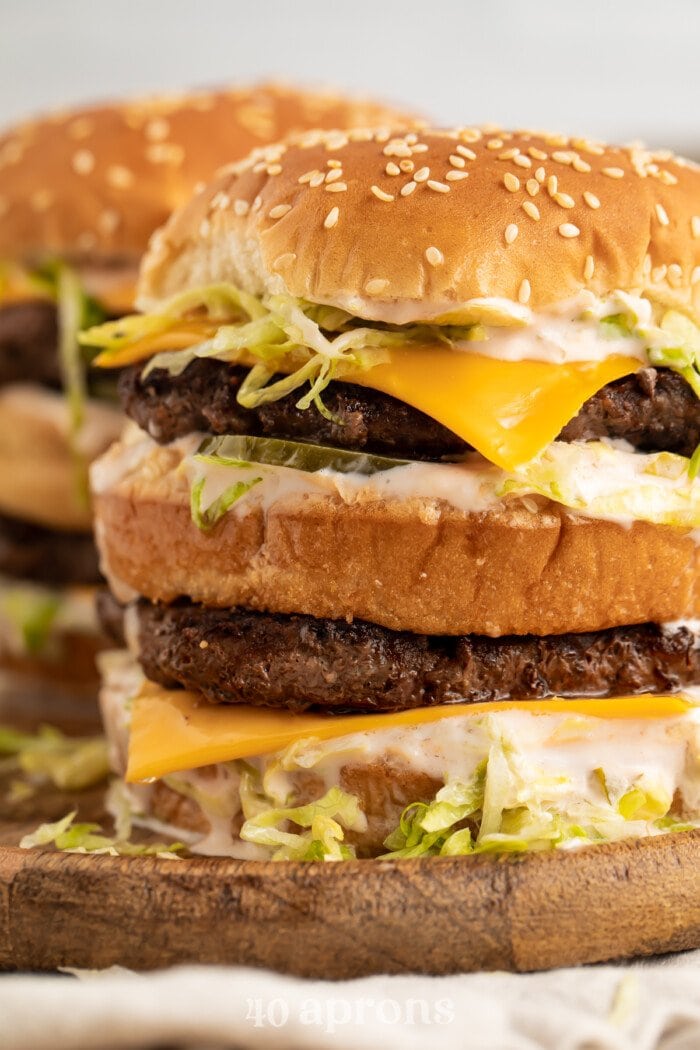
80 194
402 541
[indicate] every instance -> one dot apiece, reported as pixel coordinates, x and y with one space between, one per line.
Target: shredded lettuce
71 837
680 349
607 482
205 518
325 822
31 612
49 757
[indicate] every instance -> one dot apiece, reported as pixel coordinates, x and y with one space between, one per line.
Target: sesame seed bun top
92 184
407 226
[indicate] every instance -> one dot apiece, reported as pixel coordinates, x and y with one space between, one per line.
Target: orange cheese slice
509 411
173 730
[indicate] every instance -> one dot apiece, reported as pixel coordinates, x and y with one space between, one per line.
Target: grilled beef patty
655 410
31 552
28 343
298 662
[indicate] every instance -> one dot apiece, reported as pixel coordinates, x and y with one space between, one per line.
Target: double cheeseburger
403 543
80 194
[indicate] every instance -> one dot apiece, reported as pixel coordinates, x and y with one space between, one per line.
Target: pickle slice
295 454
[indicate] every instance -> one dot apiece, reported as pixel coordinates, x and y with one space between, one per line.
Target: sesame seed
422 175
646 265
80 128
408 189
334 163
661 214
494 144
531 209
407 166
279 210
470 135
334 174
439 187
552 185
567 229
165 153
456 161
332 218
562 157
83 162
658 274
579 164
564 200
508 154
524 292
533 187
317 180
157 129
589 267
537 154
522 161
591 199
376 286
511 233
241 207
108 221
434 256
392 169
455 176
337 187
614 173
540 175
274 169
675 275
204 644
380 194
204 228
668 178
695 226
464 151
511 182
420 147
307 176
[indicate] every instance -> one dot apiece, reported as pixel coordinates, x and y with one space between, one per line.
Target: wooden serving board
432 916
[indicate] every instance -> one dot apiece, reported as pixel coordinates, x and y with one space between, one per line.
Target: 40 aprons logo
331 1014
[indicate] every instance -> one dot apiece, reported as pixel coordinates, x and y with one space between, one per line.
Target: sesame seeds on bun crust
401 227
92 184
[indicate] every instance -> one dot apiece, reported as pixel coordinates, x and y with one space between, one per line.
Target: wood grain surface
432 916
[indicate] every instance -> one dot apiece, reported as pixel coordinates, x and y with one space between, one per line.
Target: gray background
619 69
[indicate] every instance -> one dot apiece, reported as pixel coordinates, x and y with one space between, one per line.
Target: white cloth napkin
632 1007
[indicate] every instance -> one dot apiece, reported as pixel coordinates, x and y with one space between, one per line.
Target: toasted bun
40 474
410 227
416 565
96 182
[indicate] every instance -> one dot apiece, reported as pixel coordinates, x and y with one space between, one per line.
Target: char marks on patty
655 410
299 662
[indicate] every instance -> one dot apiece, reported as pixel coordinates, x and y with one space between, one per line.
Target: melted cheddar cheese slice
509 411
173 730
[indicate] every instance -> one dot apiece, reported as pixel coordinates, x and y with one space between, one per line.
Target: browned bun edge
42 481
96 181
405 565
525 216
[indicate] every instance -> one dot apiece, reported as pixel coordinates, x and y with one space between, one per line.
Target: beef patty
31 552
655 410
299 662
28 341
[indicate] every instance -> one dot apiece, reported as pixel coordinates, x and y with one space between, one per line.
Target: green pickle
241 449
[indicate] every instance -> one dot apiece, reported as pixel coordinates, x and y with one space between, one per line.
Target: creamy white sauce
552 761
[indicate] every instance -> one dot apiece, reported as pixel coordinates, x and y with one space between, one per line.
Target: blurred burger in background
405 550
80 194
